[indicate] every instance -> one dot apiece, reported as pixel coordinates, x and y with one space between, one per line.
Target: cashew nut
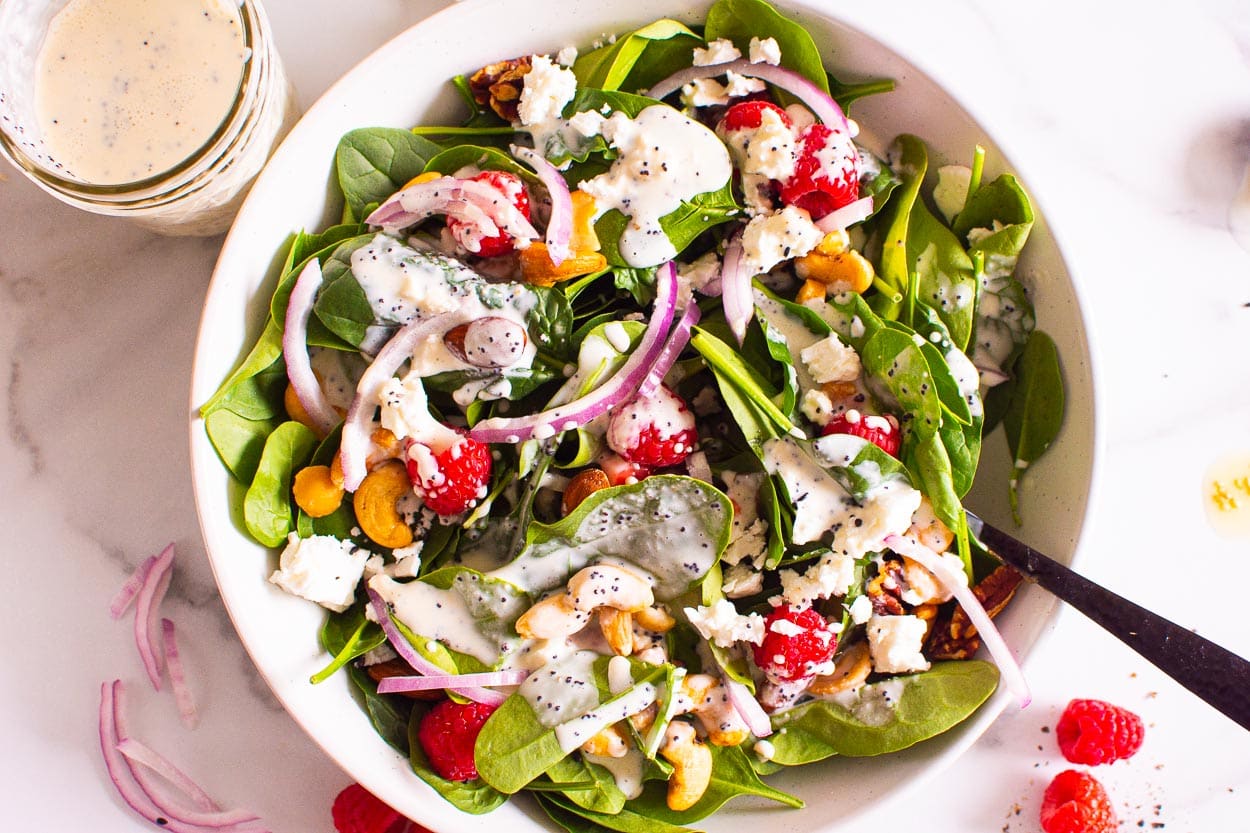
849 671
610 742
692 765
375 503
386 446
552 618
709 702
654 619
618 629
315 491
606 585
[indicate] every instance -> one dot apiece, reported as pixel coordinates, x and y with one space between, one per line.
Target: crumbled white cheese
771 150
705 402
764 51
587 122
774 238
748 544
741 580
695 276
817 406
895 642
719 51
406 413
407 561
708 92
322 569
860 610
740 85
724 626
829 360
567 56
832 575
548 87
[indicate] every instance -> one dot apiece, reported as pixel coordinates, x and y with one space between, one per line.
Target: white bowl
405 83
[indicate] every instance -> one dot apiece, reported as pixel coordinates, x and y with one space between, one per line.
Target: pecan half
952 635
499 85
398 668
885 590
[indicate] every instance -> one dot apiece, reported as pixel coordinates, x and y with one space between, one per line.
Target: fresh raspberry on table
1093 732
797 642
826 173
511 188
748 115
882 431
356 810
656 431
447 734
1076 803
452 480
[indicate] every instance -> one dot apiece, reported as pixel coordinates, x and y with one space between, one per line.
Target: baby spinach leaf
639 59
1002 200
845 93
681 225
375 162
346 636
943 271
475 797
259 396
493 604
602 796
341 309
930 703
238 441
486 158
930 464
335 259
1035 414
732 776
389 715
726 363
577 819
893 358
741 20
263 355
894 276
267 510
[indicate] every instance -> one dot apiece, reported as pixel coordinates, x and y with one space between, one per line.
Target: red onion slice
736 296
560 225
403 647
398 685
147 604
130 589
817 100
178 677
624 383
157 763
846 216
749 708
355 443
415 203
677 341
931 561
295 350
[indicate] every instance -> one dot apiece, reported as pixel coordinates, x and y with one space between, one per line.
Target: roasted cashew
606 585
654 619
618 629
610 742
386 446
552 618
709 702
315 491
692 765
375 501
849 671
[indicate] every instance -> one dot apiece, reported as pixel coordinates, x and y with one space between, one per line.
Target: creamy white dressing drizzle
626 770
438 614
585 726
563 689
874 704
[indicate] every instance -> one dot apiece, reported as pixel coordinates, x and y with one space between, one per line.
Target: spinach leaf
475 797
1035 414
577 819
603 796
238 441
944 273
894 276
264 354
741 20
929 703
267 510
346 636
341 307
494 604
681 225
732 776
894 359
514 748
375 162
333 250
449 161
389 715
1002 200
751 390
639 59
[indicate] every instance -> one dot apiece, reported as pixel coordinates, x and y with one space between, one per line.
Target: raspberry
356 810
746 115
447 734
656 431
452 480
511 187
621 472
1076 803
1092 732
881 431
796 642
826 174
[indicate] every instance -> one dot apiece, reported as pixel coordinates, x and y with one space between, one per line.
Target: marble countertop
1131 121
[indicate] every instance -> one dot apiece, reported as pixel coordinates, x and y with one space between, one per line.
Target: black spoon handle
1215 674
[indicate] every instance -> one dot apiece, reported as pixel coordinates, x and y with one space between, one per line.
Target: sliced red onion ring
677 341
560 225
817 100
147 604
130 589
142 795
354 446
624 383
403 647
295 350
931 561
157 763
398 685
415 203
178 677
846 216
736 295
749 708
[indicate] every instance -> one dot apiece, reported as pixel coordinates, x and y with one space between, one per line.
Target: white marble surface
1130 121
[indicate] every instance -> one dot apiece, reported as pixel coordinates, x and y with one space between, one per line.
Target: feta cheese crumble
894 643
719 51
321 569
723 625
765 51
774 238
548 87
829 360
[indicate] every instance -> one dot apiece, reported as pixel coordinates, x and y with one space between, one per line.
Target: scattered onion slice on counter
476 204
422 665
147 604
749 708
622 385
677 341
398 685
143 796
846 216
931 561
130 589
141 754
295 350
560 225
178 677
736 295
355 443
817 100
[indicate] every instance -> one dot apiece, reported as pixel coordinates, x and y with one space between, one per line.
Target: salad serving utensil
1215 674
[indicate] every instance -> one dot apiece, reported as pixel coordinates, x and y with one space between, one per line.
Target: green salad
622 427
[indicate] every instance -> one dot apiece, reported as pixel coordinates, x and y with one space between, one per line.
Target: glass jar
197 196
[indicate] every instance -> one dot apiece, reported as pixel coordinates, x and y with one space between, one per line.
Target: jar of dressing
161 111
